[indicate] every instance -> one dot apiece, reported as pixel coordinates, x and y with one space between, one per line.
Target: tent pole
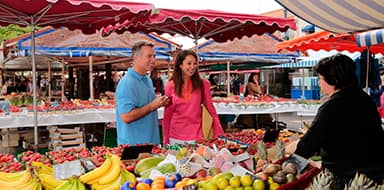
35 121
49 82
91 78
228 78
366 76
302 84
62 81
267 82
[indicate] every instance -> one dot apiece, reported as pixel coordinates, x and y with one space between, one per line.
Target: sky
235 6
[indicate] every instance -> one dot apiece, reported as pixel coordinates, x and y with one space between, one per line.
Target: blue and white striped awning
339 16
298 64
370 38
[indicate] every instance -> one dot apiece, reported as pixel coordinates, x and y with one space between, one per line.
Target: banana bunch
104 101
19 180
76 102
71 184
41 168
109 175
49 182
124 176
99 102
108 172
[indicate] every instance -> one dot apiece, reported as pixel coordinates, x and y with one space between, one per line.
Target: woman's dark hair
250 78
338 70
177 73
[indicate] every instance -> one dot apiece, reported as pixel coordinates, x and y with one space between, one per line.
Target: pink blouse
182 119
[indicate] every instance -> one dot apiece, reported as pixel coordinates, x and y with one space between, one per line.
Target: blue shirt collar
136 74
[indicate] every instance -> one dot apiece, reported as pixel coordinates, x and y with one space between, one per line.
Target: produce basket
303 181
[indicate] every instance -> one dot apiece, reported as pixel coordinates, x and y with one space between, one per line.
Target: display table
60 118
262 108
308 110
85 116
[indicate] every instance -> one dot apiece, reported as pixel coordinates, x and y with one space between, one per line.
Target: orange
143 186
158 182
157 186
259 132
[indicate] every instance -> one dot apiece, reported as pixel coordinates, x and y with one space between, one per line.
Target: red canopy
327 41
87 15
198 24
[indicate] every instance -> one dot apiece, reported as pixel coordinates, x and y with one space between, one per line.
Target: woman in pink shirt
187 91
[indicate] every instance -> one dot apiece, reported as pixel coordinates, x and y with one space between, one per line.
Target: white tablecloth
108 115
60 118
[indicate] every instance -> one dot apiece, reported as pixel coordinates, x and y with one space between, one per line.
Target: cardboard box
10 137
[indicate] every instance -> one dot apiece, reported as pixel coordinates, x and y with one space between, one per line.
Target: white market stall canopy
339 16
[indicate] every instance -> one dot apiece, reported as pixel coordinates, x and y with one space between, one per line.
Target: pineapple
280 149
262 151
360 181
323 181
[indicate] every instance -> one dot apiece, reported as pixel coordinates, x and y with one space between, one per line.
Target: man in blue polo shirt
136 102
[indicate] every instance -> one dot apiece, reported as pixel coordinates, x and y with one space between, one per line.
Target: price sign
300 162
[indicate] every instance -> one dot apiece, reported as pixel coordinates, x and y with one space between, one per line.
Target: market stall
84 16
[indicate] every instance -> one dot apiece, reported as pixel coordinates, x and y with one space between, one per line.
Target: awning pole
91 78
228 78
62 81
366 76
302 84
35 119
49 81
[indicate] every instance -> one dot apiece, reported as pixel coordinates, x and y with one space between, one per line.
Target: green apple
229 188
222 183
248 188
235 181
202 184
227 175
258 184
246 180
210 186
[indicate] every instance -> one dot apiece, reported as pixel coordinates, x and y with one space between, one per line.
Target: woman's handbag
207 122
206 119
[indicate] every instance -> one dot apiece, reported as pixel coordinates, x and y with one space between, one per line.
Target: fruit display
8 164
72 183
109 175
19 180
182 168
28 157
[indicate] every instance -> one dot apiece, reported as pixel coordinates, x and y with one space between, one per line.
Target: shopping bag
206 124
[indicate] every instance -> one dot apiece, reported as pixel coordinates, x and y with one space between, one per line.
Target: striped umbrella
369 39
298 64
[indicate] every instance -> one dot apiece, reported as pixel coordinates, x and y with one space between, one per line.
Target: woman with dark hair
187 91
253 87
347 129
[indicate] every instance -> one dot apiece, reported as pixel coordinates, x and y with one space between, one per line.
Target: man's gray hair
136 49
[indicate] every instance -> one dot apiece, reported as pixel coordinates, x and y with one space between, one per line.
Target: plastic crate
110 137
308 94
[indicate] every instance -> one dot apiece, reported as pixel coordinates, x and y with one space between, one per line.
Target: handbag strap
202 93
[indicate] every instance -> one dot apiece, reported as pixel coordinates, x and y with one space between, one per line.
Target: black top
347 132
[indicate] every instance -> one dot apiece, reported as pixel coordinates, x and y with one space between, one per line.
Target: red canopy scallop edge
198 24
